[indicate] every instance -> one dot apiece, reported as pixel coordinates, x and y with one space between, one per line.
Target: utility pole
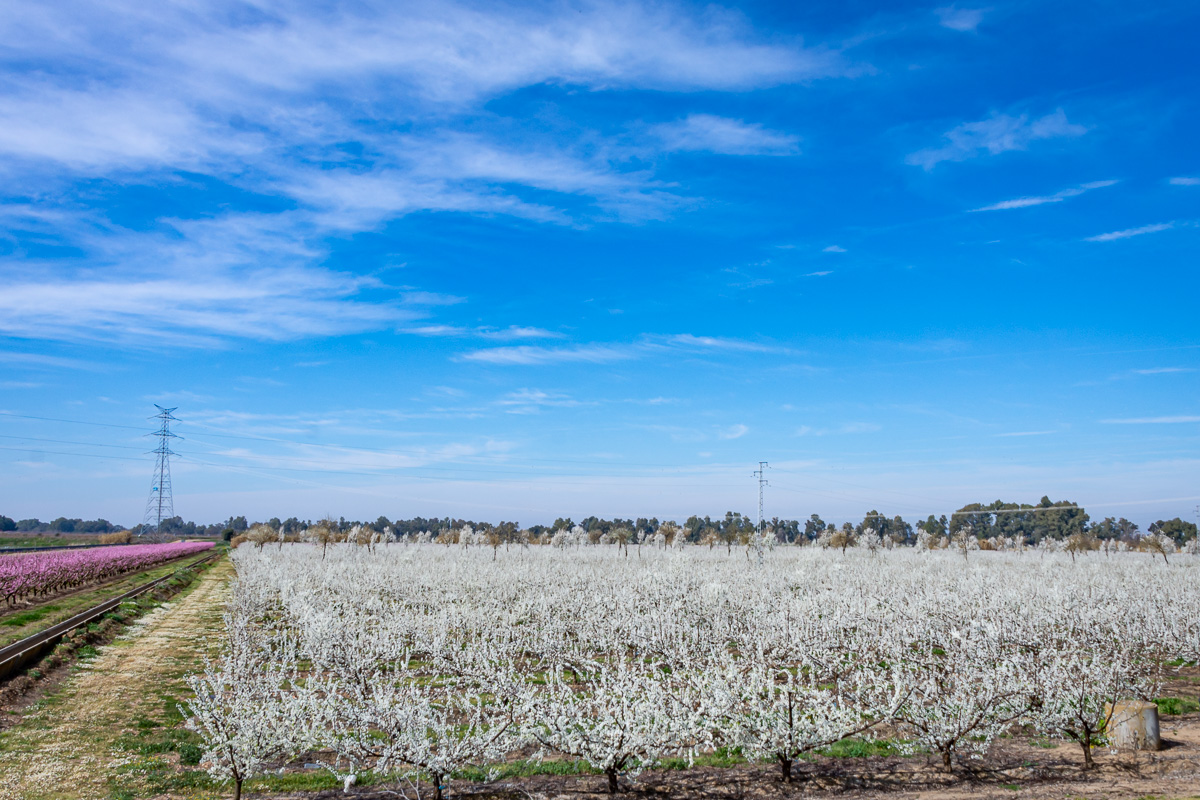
160 505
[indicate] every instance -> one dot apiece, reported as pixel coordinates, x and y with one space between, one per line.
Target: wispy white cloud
418 298
960 19
221 93
598 353
267 101
454 52
512 332
820 274
1057 197
1129 232
438 330
531 401
335 459
999 133
833 248
197 310
1174 420
178 396
733 432
1184 181
692 341
846 428
528 355
1163 370
1026 433
721 135
42 361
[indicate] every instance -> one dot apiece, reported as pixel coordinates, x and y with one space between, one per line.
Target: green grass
1173 706
47 539
722 757
28 616
306 781
525 768
861 748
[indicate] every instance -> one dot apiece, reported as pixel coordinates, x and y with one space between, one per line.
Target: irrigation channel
32 649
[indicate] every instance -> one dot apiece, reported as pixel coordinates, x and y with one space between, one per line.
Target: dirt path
69 746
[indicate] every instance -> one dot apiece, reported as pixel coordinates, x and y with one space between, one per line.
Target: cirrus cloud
997 134
708 133
1131 232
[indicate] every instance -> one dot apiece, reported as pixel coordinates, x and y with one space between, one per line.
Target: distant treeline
1020 521
175 526
60 525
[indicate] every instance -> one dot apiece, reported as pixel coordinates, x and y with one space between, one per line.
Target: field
25 539
583 670
37 614
37 575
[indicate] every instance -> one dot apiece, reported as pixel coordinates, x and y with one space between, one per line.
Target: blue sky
516 261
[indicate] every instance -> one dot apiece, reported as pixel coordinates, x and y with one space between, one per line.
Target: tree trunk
613 788
1085 742
785 766
437 786
946 765
237 789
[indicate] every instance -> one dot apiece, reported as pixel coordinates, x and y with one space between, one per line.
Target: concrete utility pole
160 505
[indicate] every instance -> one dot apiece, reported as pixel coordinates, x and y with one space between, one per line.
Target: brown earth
1017 768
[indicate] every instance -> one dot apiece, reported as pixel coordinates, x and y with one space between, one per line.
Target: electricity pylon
160 505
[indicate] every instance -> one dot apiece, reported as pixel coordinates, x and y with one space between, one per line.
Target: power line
266 471
72 455
349 448
71 421
68 441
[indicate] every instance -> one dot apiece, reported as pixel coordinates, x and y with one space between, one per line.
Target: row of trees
1024 523
1029 524
60 525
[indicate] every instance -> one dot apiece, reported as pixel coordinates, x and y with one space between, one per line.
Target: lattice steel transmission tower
160 505
760 473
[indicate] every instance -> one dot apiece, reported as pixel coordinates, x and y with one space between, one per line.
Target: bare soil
1017 768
